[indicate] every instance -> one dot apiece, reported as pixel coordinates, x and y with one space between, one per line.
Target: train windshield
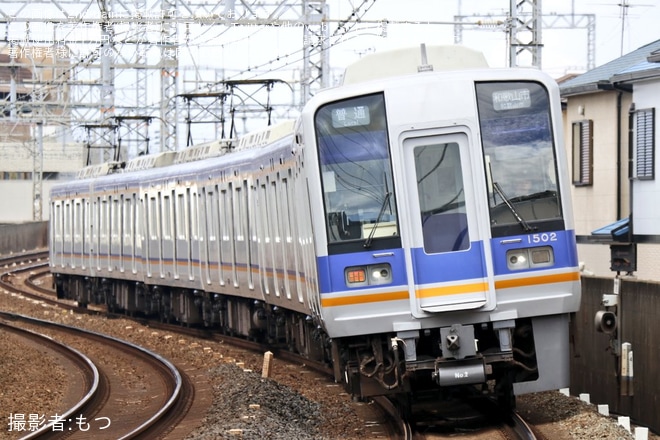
356 171
520 166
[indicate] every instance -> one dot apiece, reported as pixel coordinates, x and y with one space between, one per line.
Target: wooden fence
596 360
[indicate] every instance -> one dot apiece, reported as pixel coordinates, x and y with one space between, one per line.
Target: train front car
448 254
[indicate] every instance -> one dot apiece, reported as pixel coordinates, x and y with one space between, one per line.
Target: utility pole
524 26
37 176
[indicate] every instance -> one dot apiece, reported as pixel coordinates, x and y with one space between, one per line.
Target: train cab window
441 197
356 173
519 157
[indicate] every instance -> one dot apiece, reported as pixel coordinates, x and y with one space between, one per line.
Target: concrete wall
16 198
19 237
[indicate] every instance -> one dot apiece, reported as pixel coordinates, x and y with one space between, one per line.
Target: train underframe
484 357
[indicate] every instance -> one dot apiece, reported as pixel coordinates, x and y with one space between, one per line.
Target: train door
139 226
154 254
167 242
78 228
213 269
182 248
115 259
68 234
90 245
55 233
127 240
104 234
226 213
448 265
195 236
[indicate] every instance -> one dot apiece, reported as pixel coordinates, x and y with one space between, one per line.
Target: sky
275 52
564 50
211 53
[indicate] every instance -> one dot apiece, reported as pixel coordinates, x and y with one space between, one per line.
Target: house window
644 144
583 144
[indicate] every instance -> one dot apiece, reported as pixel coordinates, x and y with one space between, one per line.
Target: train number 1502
542 238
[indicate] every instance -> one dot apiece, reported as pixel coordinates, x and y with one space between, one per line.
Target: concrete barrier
18 237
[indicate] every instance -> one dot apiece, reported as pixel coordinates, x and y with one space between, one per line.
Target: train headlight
380 274
371 275
530 258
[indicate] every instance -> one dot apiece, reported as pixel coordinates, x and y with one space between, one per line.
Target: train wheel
504 393
404 405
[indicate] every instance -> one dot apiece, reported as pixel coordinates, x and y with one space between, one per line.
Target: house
610 132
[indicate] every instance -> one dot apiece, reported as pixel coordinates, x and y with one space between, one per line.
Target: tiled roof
607 73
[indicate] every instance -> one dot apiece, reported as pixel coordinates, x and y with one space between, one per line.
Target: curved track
152 383
146 408
84 374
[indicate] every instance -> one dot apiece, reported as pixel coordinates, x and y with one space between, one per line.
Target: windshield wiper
509 205
367 243
538 195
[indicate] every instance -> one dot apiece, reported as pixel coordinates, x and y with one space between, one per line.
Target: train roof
255 139
411 60
200 160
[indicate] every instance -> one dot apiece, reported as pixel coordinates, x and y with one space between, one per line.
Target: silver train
412 227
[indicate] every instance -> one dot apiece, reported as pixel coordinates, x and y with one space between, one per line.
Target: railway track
34 282
84 377
31 280
483 421
137 393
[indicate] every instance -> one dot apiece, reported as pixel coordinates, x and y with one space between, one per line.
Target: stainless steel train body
415 231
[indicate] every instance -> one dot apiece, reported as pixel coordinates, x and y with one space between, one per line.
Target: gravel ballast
293 403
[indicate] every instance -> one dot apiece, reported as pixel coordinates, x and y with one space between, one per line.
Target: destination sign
511 99
350 116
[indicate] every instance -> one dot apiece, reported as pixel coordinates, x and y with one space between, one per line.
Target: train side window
153 218
264 232
87 239
127 218
441 197
225 210
67 223
77 223
103 221
286 231
115 224
181 217
55 232
128 224
275 214
167 217
211 214
194 222
239 212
